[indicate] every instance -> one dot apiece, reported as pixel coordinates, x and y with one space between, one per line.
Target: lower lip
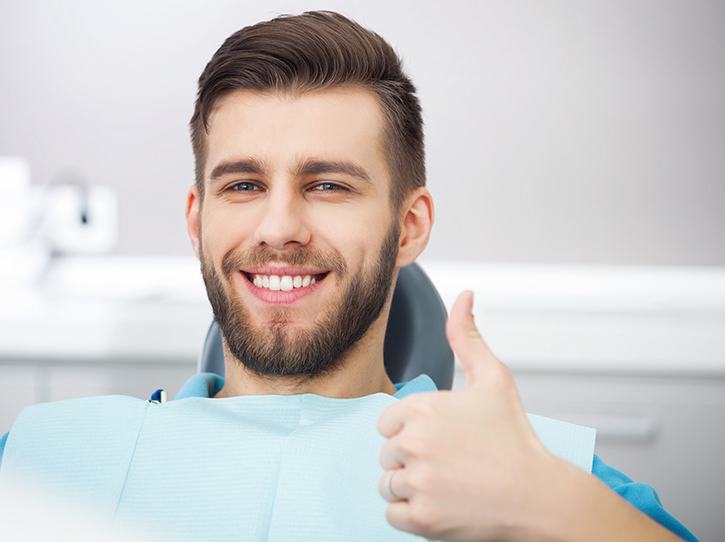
280 297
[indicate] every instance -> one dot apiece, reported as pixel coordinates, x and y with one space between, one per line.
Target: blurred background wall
568 132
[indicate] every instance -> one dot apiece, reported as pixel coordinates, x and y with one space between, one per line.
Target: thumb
466 341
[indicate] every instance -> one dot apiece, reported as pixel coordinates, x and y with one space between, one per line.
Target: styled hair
314 51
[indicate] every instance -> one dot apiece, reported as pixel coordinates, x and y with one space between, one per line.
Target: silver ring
392 494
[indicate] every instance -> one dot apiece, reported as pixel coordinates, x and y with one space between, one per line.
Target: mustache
233 261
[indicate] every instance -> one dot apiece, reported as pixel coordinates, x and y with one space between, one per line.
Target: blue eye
337 186
233 187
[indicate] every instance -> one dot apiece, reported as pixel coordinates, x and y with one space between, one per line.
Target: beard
276 350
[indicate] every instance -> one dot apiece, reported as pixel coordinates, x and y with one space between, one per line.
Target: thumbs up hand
466 464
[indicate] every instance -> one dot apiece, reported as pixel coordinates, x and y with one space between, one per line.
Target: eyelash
231 188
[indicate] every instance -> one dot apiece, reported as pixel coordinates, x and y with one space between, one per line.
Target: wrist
544 504
568 495
552 502
574 505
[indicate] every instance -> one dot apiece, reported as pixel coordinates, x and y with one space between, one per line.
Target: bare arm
578 506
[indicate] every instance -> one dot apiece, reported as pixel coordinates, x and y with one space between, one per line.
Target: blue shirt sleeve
641 496
3 440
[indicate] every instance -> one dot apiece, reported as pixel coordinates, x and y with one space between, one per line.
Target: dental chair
415 339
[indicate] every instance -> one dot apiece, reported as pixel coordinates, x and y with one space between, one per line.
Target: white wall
572 132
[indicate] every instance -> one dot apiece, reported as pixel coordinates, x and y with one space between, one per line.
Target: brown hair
314 51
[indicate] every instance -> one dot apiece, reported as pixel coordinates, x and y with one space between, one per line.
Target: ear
193 223
418 218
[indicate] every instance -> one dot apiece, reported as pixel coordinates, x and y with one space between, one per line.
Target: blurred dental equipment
65 216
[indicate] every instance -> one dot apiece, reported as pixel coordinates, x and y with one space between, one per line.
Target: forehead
340 123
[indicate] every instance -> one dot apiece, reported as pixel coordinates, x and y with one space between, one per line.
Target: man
309 197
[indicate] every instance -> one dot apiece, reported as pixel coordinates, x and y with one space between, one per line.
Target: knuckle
387 423
381 485
409 445
403 482
423 517
393 518
422 407
422 479
397 517
382 424
501 379
385 455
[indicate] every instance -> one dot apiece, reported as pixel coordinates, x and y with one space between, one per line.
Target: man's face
277 196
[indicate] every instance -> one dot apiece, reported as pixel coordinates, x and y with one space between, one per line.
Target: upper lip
291 271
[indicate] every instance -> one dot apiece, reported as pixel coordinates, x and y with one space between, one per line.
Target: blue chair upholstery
415 339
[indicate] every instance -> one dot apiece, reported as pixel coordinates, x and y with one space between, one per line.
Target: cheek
221 228
361 253
356 235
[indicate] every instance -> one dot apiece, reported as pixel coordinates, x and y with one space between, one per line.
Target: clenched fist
464 465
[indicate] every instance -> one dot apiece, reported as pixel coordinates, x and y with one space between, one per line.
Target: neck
346 383
360 373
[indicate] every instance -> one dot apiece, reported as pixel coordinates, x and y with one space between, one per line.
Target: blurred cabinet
20 388
30 383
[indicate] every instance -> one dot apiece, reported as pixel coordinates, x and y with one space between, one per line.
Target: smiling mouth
284 283
276 289
318 278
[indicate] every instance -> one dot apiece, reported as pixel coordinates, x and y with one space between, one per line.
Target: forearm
574 505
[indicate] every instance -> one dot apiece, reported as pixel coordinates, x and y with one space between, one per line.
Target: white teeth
284 283
274 283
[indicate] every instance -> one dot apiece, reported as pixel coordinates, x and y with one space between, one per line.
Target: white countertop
595 318
553 318
116 308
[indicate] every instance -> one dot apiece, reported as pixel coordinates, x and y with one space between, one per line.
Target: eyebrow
248 165
307 167
315 167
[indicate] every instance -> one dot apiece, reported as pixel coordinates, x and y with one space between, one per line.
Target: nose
282 221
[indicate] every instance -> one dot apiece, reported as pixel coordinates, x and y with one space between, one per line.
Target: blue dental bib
249 468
